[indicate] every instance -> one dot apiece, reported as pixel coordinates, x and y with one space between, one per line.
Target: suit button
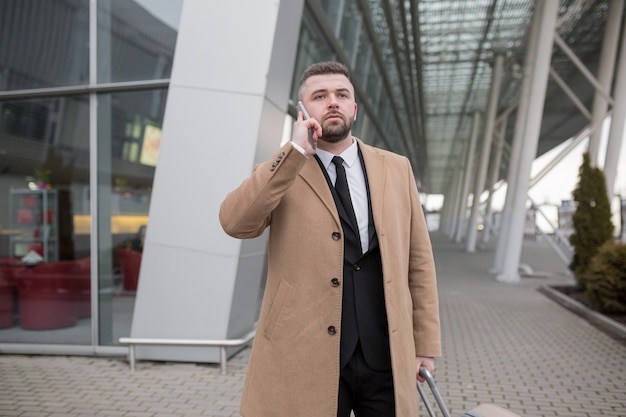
331 330
357 267
336 236
334 282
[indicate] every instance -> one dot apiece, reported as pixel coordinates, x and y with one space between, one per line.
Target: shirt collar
350 156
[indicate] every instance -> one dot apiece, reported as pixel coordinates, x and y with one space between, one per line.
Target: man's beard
334 132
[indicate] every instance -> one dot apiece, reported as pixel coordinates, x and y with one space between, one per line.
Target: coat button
331 330
357 267
336 235
334 282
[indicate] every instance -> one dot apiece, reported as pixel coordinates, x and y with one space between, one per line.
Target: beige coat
294 364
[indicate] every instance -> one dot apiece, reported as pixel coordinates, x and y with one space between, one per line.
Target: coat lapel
312 174
375 168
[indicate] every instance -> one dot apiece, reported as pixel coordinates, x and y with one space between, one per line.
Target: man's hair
323 68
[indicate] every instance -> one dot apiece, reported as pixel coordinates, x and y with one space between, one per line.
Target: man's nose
332 101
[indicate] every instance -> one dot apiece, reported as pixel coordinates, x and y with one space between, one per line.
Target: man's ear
355 111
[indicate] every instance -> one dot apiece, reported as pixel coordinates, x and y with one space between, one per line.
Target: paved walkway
503 343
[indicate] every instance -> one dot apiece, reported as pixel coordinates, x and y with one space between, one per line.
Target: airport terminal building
124 123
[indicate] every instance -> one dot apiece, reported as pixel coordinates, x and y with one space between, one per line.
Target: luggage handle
425 373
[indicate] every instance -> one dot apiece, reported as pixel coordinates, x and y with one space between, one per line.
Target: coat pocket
276 309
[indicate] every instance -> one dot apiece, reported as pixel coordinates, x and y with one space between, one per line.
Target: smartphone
300 106
305 114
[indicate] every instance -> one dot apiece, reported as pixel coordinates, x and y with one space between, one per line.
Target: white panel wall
226 104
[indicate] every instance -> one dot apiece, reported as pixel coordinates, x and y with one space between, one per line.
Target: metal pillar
444 213
518 138
608 56
573 143
617 122
497 161
456 193
447 221
483 164
467 175
548 12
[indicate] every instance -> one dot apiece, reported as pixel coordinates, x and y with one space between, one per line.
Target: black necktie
341 186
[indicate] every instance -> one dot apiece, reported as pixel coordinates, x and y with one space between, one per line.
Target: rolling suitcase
482 410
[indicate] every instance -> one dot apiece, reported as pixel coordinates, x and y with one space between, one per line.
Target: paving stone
503 343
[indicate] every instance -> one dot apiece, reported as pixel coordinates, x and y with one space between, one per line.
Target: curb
609 326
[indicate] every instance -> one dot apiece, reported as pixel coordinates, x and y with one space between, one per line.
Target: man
350 310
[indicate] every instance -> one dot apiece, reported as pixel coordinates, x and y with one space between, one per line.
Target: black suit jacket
364 318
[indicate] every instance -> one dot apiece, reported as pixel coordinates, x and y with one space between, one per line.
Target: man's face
329 99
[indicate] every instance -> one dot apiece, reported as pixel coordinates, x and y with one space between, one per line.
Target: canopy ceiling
446 50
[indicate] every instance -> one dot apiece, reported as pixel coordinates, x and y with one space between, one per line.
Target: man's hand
428 363
301 131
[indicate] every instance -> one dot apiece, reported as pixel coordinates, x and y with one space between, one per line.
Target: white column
449 208
457 190
617 122
516 148
226 106
497 161
605 75
548 11
468 174
444 213
483 164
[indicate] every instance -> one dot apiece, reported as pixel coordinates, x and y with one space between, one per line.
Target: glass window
45 273
364 62
333 10
374 83
311 49
136 39
43 43
350 28
129 137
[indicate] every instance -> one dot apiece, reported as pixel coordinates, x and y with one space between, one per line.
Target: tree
592 219
606 278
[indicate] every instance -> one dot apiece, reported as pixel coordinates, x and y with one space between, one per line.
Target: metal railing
222 344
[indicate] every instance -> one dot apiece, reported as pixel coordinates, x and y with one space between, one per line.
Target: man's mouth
333 116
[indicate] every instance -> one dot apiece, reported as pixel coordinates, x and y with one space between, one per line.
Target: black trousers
367 392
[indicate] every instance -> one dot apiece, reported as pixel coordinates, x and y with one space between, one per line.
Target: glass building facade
83 90
83 87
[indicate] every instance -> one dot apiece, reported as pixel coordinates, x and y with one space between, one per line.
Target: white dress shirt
356 183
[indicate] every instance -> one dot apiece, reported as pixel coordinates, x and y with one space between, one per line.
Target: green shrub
606 278
591 221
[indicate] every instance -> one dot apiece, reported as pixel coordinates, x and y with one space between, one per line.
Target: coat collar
374 165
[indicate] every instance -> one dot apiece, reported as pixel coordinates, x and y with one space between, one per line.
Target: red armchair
81 285
130 263
6 302
8 288
47 295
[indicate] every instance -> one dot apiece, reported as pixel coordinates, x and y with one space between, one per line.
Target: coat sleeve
423 281
247 210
